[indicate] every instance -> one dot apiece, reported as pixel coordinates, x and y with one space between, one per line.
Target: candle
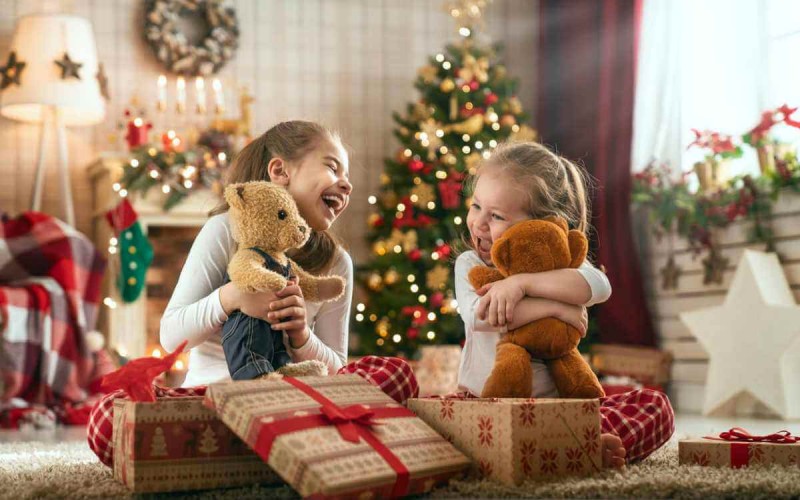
162 93
180 98
200 86
219 97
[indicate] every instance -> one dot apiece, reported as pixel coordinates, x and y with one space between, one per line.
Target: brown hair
291 141
553 184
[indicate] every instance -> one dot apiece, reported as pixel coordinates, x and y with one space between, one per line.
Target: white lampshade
40 40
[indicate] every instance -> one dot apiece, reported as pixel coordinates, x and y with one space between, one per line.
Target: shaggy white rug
69 470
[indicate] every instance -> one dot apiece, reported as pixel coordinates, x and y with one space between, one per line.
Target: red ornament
443 250
450 193
490 98
378 222
437 299
418 314
136 377
414 255
474 85
416 165
423 220
412 333
137 133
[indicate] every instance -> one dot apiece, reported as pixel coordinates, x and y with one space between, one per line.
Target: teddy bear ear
558 221
578 248
234 195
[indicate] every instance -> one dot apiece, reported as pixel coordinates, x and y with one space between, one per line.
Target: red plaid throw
50 276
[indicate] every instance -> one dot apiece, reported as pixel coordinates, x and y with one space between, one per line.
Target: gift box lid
332 436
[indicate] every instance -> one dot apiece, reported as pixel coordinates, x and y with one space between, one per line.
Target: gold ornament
373 219
407 240
382 327
524 133
508 120
500 72
379 247
472 125
432 141
447 85
472 161
467 13
375 282
385 179
404 131
474 69
389 199
514 106
421 112
428 73
449 159
436 278
447 307
424 193
391 277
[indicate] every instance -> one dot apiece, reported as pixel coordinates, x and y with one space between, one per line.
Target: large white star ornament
752 339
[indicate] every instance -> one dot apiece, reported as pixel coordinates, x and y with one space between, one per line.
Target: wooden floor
686 425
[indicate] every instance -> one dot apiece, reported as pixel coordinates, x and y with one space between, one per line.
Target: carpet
69 470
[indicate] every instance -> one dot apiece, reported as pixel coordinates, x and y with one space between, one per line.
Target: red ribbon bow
740 435
346 419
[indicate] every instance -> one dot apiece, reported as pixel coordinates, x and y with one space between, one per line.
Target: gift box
179 444
737 448
648 366
437 369
511 440
336 437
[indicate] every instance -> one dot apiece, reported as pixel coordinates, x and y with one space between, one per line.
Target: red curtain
587 68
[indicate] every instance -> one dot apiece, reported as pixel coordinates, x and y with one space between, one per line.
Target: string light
478 145
138 122
439 57
414 288
431 335
166 189
417 181
492 143
454 303
112 250
123 192
401 207
466 149
464 31
360 307
515 128
407 152
492 116
116 186
434 255
446 65
187 184
156 353
398 249
372 200
379 341
457 220
465 88
397 338
359 317
411 278
222 156
431 205
179 365
113 241
487 154
443 150
465 137
414 198
439 133
373 317
134 163
431 316
495 126
423 299
154 174
152 151
469 106
441 174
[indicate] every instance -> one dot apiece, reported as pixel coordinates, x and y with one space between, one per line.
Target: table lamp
52 77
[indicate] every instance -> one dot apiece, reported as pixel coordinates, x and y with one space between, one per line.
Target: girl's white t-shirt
194 312
477 358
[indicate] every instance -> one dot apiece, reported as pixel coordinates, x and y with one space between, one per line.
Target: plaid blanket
50 276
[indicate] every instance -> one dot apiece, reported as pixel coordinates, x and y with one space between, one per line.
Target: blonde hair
554 185
291 141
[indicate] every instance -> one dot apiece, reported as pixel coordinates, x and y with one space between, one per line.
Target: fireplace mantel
125 326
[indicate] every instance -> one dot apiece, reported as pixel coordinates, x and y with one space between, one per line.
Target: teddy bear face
265 215
532 246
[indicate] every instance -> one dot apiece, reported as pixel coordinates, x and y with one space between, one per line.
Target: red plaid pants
643 419
393 375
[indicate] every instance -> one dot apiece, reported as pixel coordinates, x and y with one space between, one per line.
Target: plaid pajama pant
643 419
392 375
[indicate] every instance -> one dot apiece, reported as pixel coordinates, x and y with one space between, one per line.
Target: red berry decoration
415 255
490 98
437 299
412 333
416 165
474 85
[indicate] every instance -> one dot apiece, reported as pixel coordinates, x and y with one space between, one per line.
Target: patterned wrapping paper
437 369
289 429
511 440
179 444
712 452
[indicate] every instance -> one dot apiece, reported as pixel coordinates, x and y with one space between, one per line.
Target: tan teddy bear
265 223
535 246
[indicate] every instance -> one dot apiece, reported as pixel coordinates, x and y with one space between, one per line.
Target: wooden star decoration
714 267
102 81
752 339
69 68
670 274
11 72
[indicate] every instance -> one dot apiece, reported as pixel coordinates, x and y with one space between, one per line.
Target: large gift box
511 440
736 448
336 437
179 444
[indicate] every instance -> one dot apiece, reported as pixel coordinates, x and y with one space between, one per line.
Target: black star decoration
68 67
102 80
11 72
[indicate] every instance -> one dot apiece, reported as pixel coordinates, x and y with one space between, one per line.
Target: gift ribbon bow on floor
741 440
353 423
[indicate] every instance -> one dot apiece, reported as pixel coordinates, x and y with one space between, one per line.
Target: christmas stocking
135 251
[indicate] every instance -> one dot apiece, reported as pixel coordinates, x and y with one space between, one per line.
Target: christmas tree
208 442
158 447
467 106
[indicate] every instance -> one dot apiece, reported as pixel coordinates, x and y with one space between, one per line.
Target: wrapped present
738 448
646 365
511 440
336 437
178 444
437 369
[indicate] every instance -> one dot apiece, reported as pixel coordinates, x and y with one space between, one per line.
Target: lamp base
53 118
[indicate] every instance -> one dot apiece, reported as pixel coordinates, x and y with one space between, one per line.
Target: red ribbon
352 422
741 435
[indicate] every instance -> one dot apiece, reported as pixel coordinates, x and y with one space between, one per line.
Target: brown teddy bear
265 223
529 247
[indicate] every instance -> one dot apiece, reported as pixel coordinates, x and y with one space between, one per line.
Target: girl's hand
575 316
499 299
288 313
255 304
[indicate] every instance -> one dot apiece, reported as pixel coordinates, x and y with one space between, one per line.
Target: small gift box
511 440
336 437
178 444
738 448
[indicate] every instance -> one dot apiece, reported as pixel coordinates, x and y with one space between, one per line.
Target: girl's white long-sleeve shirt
195 313
477 358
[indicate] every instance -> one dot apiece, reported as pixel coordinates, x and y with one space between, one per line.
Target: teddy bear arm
483 275
578 248
248 273
318 288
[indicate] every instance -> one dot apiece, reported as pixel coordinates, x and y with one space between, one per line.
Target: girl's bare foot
613 451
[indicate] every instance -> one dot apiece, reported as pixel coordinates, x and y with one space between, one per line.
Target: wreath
171 44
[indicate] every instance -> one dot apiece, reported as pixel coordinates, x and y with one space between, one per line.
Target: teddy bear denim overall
252 348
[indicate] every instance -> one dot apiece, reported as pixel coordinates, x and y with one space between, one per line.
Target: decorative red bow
136 377
346 419
741 435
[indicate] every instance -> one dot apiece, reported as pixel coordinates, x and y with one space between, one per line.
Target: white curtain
703 64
